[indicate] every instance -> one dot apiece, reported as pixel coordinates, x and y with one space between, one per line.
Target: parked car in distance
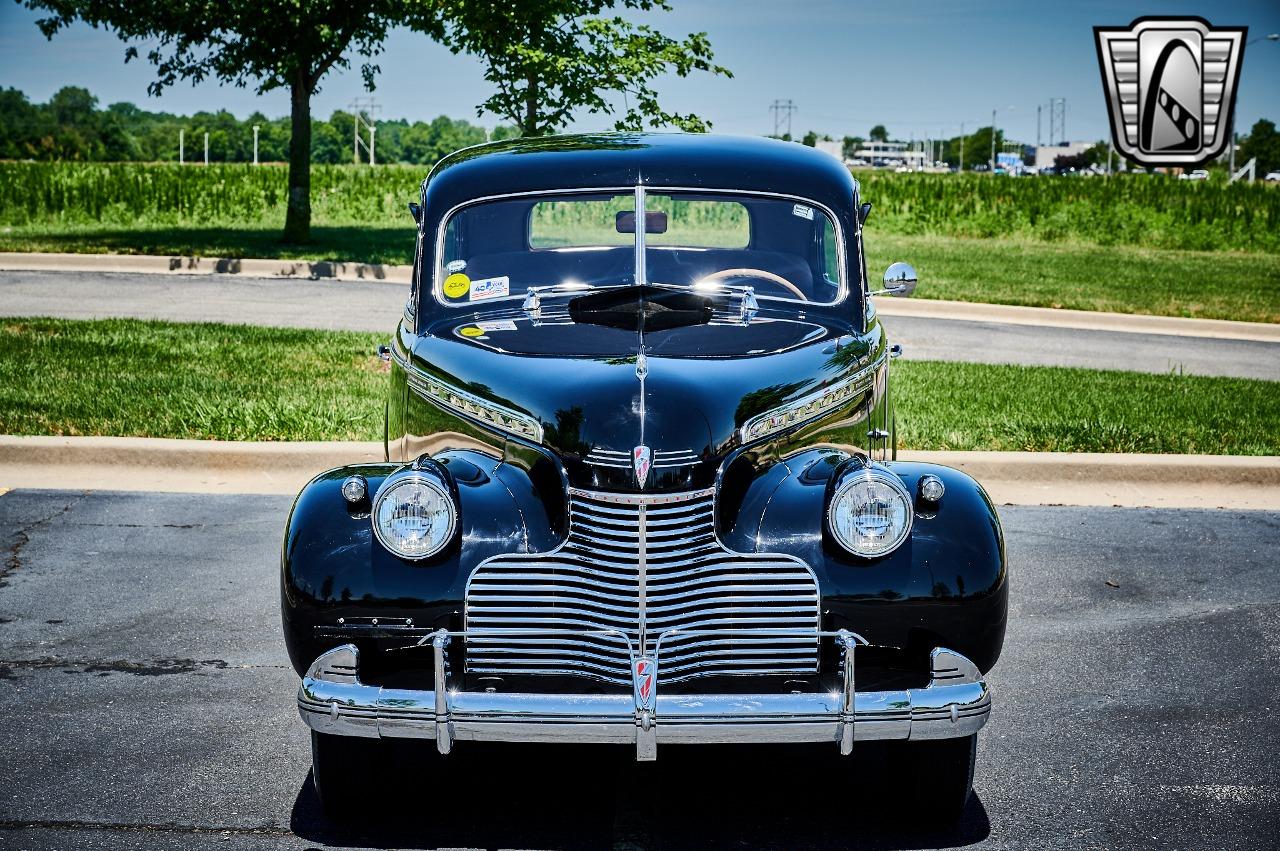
1272 175
642 486
1196 174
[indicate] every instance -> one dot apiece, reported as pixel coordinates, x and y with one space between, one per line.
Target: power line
363 112
782 111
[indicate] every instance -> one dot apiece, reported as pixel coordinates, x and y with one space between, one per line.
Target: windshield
780 248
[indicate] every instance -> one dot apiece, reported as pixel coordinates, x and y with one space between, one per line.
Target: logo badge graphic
645 670
1171 88
641 460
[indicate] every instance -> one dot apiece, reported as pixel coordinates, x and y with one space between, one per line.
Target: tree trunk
530 127
297 219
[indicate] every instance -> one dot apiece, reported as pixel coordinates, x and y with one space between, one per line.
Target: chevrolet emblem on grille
641 460
1171 87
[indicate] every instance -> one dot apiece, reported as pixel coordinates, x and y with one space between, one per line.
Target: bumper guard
331 699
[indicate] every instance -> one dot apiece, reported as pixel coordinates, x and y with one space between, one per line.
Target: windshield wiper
748 307
533 296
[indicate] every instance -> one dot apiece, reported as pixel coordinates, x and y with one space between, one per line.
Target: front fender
945 586
333 567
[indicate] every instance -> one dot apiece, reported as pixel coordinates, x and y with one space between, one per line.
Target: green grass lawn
1118 278
157 379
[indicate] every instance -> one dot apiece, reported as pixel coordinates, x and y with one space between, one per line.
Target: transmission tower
1057 121
782 111
364 113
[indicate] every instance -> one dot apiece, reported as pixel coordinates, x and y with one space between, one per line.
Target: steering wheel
746 272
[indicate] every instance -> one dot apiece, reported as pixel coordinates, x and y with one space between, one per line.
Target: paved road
145 702
375 306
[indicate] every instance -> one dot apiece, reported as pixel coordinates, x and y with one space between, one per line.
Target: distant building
890 154
836 149
1046 154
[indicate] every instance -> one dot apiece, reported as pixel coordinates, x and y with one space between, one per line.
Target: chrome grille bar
642 565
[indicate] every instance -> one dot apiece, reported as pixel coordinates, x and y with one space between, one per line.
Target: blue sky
920 68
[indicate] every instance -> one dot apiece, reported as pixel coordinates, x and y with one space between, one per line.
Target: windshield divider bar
641 227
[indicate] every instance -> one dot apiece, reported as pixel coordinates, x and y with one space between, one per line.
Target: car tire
344 770
941 777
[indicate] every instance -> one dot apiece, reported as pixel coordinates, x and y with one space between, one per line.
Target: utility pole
1057 121
363 112
1037 125
255 144
206 147
961 146
373 129
182 142
782 111
993 141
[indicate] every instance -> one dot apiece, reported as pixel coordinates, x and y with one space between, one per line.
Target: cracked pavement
146 702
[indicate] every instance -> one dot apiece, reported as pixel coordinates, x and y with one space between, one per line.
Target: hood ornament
642 365
642 461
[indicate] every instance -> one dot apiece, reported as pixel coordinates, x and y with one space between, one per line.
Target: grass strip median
227 382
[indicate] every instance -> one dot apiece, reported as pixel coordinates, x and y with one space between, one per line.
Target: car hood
598 400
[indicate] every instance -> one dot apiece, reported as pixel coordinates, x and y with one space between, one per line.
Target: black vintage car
641 484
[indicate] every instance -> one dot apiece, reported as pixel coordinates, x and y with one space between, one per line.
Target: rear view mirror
655 222
899 280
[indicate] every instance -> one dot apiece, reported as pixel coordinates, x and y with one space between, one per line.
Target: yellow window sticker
472 331
457 285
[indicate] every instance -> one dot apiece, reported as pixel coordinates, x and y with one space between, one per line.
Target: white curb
1011 478
189 265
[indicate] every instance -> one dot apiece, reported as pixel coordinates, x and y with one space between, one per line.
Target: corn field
1154 211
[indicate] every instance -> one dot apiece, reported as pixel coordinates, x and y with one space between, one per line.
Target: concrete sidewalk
1012 478
1220 329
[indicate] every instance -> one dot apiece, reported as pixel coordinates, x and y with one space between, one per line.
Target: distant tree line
71 126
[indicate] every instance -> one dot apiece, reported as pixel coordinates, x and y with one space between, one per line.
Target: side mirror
415 210
864 212
899 280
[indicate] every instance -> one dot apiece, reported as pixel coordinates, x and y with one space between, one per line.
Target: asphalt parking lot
145 702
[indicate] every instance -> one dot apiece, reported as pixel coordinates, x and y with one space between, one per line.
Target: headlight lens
414 517
871 513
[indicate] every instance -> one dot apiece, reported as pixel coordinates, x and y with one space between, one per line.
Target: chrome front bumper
331 699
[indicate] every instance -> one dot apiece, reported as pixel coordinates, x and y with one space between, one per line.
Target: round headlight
871 513
414 517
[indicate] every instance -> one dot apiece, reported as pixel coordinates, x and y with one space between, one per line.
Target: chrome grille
662 459
690 582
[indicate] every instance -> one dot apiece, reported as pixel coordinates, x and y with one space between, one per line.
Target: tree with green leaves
878 134
551 59
1263 142
270 44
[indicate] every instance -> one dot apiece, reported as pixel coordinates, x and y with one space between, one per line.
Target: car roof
598 160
